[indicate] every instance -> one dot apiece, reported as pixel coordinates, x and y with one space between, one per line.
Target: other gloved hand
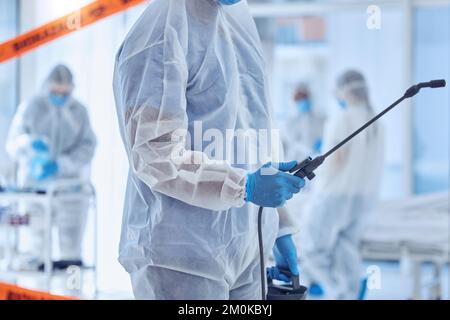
285 253
275 273
271 186
39 145
43 168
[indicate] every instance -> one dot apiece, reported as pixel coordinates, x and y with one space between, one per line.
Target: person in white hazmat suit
345 191
51 139
190 218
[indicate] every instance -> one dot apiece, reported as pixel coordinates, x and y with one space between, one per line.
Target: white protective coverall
72 143
345 191
187 231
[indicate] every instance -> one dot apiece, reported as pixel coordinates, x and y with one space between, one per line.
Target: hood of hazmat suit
194 67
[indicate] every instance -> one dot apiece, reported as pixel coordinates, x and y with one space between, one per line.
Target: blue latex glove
285 254
275 273
271 186
316 290
228 2
43 168
39 145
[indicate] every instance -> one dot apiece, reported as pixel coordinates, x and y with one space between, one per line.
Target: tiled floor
391 285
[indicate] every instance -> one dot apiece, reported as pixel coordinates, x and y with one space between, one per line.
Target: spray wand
305 170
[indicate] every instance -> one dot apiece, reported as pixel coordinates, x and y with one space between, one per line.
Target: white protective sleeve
152 86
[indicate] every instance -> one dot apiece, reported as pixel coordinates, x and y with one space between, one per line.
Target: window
431 109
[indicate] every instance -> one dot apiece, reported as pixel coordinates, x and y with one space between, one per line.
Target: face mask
342 104
304 106
58 100
228 2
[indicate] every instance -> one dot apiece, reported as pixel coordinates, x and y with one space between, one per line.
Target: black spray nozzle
434 84
306 168
411 92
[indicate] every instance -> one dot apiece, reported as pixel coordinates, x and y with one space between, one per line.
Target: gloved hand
285 254
275 273
271 187
43 168
39 145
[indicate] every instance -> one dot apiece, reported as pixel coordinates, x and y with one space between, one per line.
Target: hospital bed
412 231
59 190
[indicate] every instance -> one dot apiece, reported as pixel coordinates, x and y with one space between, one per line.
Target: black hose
261 255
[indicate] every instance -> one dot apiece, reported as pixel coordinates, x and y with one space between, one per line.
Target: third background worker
51 140
345 191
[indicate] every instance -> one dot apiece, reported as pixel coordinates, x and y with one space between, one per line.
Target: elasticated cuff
249 187
234 189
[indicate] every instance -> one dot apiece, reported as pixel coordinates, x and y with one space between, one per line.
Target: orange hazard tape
10 292
58 28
